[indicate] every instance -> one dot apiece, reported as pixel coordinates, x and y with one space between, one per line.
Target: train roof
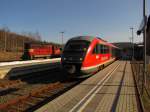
91 38
86 38
112 45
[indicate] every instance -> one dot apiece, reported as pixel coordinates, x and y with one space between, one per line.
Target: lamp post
142 29
132 43
5 48
62 36
144 39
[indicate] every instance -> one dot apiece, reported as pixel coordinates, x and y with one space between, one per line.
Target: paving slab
116 93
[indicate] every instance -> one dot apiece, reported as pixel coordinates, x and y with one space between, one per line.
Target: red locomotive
40 50
86 54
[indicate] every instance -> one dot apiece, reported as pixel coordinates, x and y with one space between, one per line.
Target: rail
26 99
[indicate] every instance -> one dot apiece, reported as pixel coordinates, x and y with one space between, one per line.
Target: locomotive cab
73 55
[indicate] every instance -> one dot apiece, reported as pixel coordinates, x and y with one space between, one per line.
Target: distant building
147 35
127 50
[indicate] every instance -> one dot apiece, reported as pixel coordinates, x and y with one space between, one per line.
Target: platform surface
110 90
22 67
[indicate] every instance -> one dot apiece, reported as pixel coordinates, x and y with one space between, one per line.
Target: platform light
132 38
62 36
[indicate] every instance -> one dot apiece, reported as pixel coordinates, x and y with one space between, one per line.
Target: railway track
29 92
32 91
4 84
24 102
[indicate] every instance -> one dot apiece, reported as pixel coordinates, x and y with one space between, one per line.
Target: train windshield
77 46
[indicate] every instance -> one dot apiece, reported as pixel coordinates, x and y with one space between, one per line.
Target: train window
99 48
102 49
106 49
96 49
77 45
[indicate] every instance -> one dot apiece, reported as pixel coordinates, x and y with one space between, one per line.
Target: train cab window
77 45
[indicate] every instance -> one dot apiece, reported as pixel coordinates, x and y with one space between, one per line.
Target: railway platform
18 68
111 90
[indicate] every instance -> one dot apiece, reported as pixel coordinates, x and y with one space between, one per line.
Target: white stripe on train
95 66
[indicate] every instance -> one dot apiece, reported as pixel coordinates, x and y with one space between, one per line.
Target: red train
41 50
85 55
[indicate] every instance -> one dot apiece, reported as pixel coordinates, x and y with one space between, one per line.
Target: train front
73 55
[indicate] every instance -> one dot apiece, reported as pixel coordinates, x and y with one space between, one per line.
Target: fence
143 82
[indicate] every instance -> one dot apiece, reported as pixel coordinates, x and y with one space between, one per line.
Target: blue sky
108 19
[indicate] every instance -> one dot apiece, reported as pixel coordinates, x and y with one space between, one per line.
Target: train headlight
84 49
31 50
81 59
